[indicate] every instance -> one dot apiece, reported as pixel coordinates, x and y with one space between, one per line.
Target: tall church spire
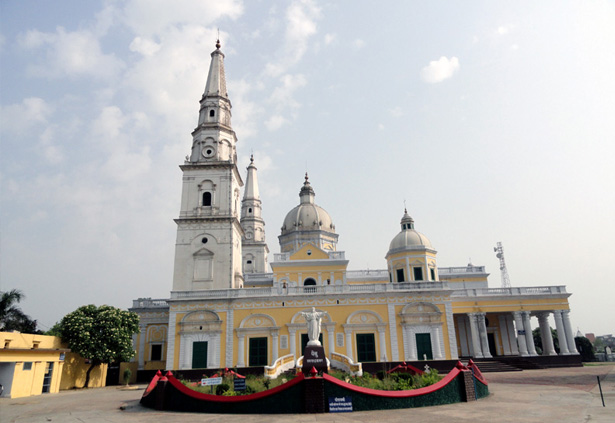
208 250
254 247
216 80
214 138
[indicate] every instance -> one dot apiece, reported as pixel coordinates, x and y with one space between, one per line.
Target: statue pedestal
314 356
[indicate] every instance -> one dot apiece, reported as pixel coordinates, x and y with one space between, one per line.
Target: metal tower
499 253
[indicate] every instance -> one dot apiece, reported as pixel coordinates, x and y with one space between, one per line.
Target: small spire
218 45
307 192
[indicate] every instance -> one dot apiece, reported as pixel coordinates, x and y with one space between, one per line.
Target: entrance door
366 347
199 355
491 342
423 346
258 352
47 378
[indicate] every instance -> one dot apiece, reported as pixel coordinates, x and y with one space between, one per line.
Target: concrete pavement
562 395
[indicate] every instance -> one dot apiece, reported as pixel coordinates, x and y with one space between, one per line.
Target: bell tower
254 247
209 235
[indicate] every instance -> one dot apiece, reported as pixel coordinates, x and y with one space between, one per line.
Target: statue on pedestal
313 319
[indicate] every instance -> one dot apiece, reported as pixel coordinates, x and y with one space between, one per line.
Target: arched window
212 113
206 199
309 281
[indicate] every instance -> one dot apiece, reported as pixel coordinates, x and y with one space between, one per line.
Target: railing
333 255
310 289
281 365
258 277
456 270
340 361
149 303
365 274
527 290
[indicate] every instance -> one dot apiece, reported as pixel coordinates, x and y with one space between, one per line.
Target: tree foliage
585 348
101 334
11 316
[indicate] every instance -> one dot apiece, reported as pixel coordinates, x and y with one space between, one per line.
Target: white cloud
396 112
380 127
358 43
275 122
154 17
439 70
301 18
70 54
282 96
330 38
145 46
18 117
504 29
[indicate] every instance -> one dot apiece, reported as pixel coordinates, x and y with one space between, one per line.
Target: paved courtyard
555 395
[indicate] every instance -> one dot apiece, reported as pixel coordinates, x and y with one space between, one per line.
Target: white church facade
229 307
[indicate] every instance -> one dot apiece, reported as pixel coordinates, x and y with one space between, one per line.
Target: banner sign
340 404
211 381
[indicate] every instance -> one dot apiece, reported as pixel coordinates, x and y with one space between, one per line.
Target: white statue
313 319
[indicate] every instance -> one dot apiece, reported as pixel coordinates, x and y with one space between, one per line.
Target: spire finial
306 178
218 40
251 158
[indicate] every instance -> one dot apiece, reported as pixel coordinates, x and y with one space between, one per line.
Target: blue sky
493 121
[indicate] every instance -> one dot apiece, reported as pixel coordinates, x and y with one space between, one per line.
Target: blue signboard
239 384
340 404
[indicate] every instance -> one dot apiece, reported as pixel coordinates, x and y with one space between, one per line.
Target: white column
510 322
561 333
142 336
529 338
349 343
274 349
518 315
482 330
504 331
477 352
241 351
408 277
463 335
383 345
412 344
437 331
545 334
572 347
293 344
331 333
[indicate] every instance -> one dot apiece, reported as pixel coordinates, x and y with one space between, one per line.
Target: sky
490 121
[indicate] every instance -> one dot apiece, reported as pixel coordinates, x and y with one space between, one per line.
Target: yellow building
38 364
225 310
30 364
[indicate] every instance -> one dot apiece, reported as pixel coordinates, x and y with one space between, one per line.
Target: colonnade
479 342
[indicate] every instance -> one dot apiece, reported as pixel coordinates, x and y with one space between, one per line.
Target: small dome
409 238
307 216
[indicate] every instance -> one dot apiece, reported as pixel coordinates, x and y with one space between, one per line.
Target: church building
229 307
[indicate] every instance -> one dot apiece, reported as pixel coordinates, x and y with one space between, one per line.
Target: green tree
11 316
101 334
585 348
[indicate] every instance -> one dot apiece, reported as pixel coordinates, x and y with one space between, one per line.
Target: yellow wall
75 370
36 351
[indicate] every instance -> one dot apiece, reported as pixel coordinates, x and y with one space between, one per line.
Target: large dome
307 216
408 238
